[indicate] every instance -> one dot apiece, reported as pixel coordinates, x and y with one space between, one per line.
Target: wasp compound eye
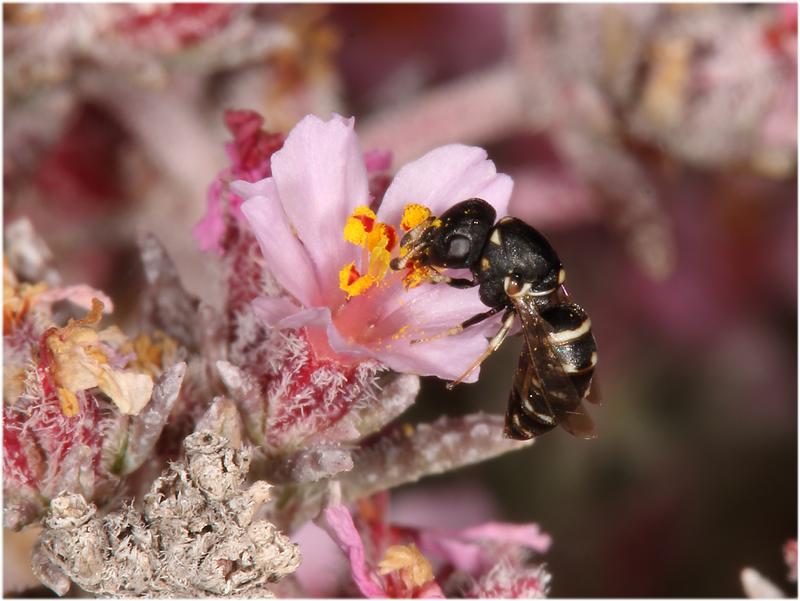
457 247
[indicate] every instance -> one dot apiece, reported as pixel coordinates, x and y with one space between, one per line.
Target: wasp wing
528 413
578 423
542 391
593 396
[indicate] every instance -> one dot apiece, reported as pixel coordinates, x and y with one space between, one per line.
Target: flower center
378 241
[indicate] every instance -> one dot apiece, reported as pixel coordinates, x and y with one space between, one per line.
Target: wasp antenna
400 262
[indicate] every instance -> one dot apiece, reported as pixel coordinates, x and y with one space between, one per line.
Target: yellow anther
382 236
359 225
413 215
413 566
380 240
352 282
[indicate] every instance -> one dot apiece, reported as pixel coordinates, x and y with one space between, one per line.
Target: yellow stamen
415 569
359 225
383 236
352 282
152 352
379 241
413 215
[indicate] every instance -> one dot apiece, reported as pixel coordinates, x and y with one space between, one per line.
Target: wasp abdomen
573 342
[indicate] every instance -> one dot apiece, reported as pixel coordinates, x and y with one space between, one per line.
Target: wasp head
453 241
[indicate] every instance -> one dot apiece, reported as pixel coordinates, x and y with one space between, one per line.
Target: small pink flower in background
172 27
249 153
757 586
319 180
790 553
389 560
371 579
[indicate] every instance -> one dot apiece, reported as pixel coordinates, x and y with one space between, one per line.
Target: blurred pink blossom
172 27
790 557
757 586
249 152
365 574
488 560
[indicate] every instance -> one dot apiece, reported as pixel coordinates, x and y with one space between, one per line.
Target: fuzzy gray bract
194 537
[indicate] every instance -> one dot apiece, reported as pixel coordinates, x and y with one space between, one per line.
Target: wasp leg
494 344
460 327
463 283
412 243
440 278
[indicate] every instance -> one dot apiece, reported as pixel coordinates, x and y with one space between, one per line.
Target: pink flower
790 557
398 561
756 586
504 581
366 573
171 27
319 180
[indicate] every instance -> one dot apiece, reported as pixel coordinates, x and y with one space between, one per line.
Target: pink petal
377 160
323 566
441 358
467 557
429 310
80 294
273 310
285 256
317 316
339 524
432 590
321 178
443 177
245 189
445 359
282 314
211 227
464 548
346 347
526 535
